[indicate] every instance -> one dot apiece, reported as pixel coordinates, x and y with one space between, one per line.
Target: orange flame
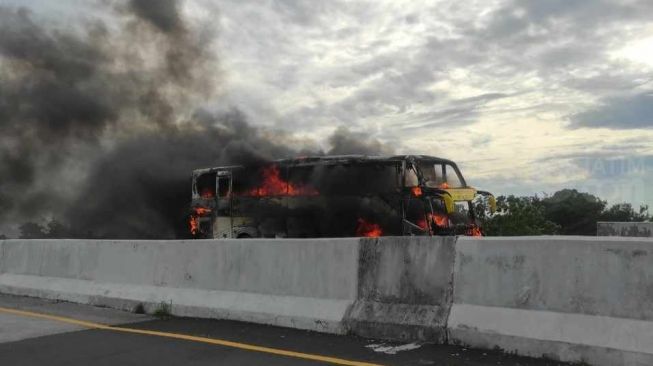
201 211
474 231
439 219
273 185
417 191
194 223
367 229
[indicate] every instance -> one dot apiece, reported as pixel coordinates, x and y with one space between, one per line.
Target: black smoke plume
344 141
141 188
101 127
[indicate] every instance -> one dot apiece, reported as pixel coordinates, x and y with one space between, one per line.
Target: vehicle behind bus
335 196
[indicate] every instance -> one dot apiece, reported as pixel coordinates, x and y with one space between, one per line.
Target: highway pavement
43 332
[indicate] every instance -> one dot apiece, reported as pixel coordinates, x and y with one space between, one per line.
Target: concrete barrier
634 229
397 288
308 284
578 299
404 288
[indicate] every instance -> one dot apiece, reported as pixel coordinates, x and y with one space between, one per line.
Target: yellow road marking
219 342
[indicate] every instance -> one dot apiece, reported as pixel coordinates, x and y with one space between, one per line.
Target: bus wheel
244 236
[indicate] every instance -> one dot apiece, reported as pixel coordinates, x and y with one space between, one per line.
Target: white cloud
639 51
489 84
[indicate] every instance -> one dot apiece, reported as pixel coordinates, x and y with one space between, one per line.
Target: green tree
624 212
567 212
518 216
575 212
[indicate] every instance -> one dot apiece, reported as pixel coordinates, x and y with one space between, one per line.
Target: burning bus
334 196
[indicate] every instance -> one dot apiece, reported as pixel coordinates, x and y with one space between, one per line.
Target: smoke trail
69 98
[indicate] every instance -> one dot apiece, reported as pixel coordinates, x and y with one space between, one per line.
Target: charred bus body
333 196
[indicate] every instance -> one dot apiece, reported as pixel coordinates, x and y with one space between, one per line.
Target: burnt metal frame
404 162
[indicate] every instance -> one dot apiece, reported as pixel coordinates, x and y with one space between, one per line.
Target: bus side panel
259 216
341 216
222 227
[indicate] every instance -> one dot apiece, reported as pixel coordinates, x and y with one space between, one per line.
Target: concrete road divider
391 287
308 284
578 299
633 229
404 288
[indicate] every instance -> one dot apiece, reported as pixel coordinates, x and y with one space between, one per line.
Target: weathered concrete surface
405 288
306 284
394 287
579 299
569 298
16 327
634 229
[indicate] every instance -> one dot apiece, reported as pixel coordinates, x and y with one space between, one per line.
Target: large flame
368 229
273 185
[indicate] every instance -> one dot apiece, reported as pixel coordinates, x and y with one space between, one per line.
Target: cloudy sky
527 96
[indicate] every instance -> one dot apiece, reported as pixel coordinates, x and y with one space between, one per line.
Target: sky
527 96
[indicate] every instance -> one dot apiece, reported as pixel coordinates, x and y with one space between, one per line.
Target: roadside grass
163 310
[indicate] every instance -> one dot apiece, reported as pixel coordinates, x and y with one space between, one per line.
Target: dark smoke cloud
344 142
51 84
163 14
184 53
67 96
51 94
141 189
102 128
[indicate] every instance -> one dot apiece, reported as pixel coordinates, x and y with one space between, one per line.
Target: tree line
566 212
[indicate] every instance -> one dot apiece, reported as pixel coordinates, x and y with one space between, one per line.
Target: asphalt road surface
40 332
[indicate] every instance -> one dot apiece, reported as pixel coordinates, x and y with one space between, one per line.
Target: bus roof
337 159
